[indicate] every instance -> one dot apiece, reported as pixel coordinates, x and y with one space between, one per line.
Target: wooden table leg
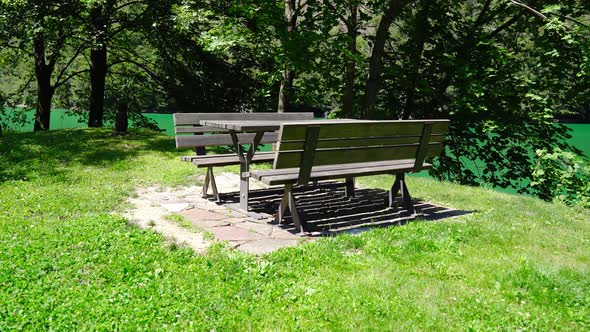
349 187
245 158
244 187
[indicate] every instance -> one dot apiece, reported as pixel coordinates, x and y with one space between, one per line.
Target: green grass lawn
69 261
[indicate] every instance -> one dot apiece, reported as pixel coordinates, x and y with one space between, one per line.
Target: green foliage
562 176
2 114
67 262
501 72
181 221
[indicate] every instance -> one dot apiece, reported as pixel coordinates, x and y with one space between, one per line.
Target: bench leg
294 213
399 186
288 201
210 181
282 207
349 187
214 185
206 183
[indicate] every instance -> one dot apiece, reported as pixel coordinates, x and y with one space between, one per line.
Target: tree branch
503 26
72 75
571 19
507 24
126 5
23 88
126 24
72 59
333 8
57 49
481 15
140 65
529 8
19 48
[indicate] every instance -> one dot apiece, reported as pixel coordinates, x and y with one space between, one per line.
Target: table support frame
245 157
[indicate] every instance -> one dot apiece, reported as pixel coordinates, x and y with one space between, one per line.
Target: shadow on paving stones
328 212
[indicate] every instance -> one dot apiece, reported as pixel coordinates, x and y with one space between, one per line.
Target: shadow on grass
52 154
328 212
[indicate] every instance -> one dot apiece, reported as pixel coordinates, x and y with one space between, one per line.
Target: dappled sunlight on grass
68 263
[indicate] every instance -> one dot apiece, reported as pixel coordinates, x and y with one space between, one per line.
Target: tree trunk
286 89
376 61
350 66
98 66
121 119
44 89
98 74
421 30
43 113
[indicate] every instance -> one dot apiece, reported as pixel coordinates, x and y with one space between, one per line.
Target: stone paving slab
264 229
239 231
196 214
206 224
232 233
176 207
259 234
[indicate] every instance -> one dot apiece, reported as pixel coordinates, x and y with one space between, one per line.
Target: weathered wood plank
337 173
231 160
287 159
308 155
198 130
362 129
181 119
221 139
266 172
268 155
424 145
268 125
358 142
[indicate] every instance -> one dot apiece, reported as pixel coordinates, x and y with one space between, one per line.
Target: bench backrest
324 143
187 128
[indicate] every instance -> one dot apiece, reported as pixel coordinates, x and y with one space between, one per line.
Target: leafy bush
562 176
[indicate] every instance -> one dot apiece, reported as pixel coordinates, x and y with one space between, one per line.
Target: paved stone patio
207 221
327 211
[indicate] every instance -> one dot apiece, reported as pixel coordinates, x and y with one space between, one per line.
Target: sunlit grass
69 261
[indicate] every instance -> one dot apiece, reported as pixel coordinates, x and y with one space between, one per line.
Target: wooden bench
191 134
307 152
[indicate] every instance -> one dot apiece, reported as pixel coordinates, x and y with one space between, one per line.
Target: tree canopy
502 70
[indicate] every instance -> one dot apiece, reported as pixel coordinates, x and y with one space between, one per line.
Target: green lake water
61 119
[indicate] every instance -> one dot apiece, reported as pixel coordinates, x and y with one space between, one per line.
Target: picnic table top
266 125
274 125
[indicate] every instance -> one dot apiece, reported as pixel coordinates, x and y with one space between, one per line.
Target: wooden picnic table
259 127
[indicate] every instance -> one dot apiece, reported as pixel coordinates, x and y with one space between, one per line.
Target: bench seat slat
269 154
221 139
226 160
259 173
199 130
182 119
290 175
